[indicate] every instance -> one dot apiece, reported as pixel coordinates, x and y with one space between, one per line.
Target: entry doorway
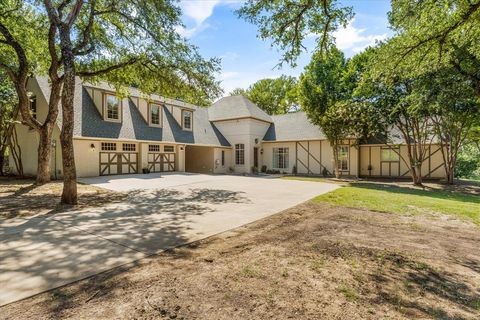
255 157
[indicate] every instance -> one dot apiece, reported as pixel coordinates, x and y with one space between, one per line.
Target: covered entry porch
207 159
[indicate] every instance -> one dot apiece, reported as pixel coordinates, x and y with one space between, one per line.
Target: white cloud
199 11
351 38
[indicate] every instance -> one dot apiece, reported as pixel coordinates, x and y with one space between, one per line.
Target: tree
274 96
23 51
238 92
454 110
401 121
124 42
325 94
432 35
287 23
8 113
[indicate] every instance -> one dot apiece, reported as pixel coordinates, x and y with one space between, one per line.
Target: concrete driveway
160 212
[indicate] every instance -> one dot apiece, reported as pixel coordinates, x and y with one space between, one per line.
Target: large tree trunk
69 194
417 175
335 159
44 155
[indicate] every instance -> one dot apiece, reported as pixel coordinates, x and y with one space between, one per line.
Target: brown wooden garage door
118 163
161 162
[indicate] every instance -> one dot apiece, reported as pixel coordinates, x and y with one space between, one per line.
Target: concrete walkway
44 252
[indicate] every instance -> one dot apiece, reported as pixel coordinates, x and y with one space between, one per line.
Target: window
187 119
280 158
154 148
109 146
392 155
112 107
33 106
129 147
168 149
343 157
155 114
223 158
240 154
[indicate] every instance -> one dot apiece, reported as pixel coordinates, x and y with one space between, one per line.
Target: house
114 135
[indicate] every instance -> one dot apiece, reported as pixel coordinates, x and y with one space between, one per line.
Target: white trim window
112 107
343 158
390 154
187 119
280 158
239 154
155 114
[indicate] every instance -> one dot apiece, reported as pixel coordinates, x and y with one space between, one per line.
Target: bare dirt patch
309 262
21 197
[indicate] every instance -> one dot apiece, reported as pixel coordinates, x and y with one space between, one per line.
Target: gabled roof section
89 122
236 107
135 92
292 127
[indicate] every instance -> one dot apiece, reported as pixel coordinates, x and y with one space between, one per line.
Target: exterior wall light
92 147
261 151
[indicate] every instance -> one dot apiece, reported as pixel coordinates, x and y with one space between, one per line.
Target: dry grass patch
313 261
21 197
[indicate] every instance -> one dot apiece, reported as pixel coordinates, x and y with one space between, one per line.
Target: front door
255 157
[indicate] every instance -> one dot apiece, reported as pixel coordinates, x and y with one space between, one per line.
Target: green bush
468 162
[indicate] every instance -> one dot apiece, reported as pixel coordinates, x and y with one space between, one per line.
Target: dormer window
187 119
112 107
155 114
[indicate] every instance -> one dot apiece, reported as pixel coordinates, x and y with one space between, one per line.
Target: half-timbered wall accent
372 165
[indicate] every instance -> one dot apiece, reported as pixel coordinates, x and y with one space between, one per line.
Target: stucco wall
244 131
218 167
199 159
310 157
28 140
267 156
371 155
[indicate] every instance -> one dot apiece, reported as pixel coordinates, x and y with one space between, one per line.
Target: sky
213 26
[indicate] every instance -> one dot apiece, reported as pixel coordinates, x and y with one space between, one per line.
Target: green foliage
468 163
288 23
238 92
404 200
274 96
138 40
326 93
431 35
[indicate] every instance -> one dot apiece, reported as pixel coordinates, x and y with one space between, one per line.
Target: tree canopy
274 96
287 23
431 35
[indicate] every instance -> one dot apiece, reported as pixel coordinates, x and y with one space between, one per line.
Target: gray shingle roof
89 123
291 127
234 107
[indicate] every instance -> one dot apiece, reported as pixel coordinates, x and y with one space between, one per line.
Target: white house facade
149 133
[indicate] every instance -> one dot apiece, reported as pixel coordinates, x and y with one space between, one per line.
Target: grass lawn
386 198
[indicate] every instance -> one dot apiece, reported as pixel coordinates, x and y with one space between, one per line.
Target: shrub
325 172
264 168
468 162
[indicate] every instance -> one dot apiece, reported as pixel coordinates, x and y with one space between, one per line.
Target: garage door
161 162
118 163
